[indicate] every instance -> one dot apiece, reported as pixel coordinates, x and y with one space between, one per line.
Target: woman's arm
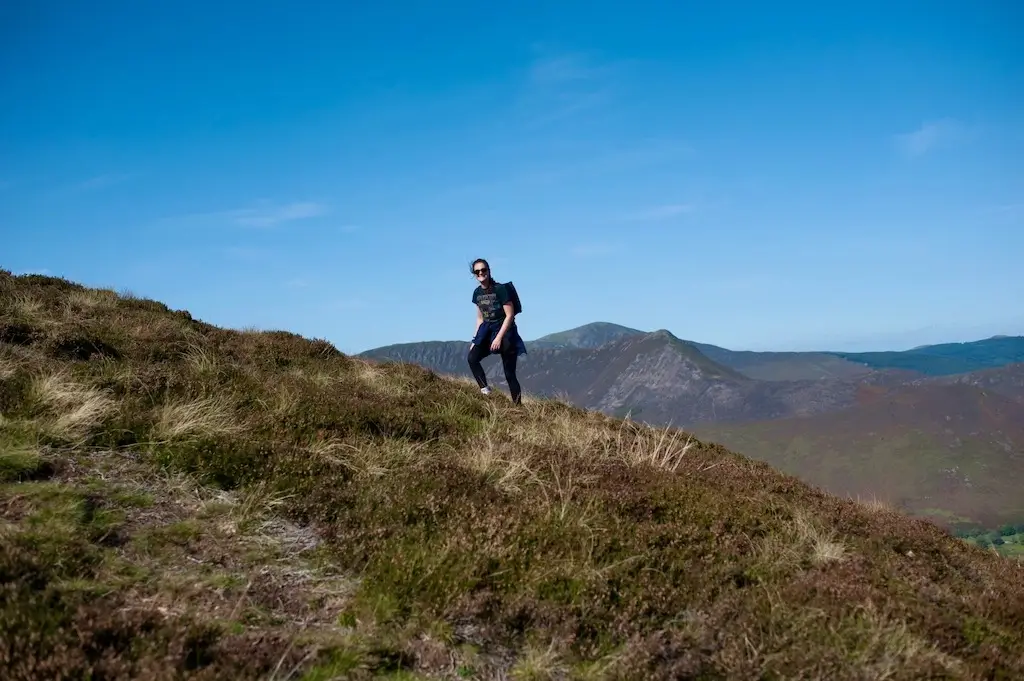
509 315
479 321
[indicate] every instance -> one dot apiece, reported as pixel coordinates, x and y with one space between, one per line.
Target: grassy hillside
182 501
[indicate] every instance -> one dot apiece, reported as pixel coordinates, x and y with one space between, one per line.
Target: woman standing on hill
496 330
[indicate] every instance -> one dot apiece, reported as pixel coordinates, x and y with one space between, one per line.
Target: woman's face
482 272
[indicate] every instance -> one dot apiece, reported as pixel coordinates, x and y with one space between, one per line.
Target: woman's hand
496 343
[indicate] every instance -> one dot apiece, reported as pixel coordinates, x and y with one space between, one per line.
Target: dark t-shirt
491 302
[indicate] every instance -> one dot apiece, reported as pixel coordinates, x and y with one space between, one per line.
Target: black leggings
509 356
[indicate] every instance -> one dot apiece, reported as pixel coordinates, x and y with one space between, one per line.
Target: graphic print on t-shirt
490 303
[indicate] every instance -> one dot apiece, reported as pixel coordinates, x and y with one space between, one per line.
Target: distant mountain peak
592 335
598 326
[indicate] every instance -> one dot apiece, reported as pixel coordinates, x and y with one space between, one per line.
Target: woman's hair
472 265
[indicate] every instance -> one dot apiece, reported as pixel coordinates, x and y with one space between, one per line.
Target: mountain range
937 431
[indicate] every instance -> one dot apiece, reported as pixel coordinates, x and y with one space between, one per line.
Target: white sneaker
485 391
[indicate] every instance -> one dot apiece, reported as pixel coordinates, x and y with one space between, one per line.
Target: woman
496 331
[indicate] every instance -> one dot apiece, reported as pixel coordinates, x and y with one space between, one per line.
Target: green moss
340 663
22 462
133 499
560 589
179 534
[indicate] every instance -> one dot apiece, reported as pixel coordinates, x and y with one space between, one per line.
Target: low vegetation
1007 540
183 501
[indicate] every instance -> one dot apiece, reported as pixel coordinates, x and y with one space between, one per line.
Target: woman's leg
477 353
508 362
509 358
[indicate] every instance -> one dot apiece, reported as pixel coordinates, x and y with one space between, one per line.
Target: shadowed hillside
785 366
183 501
946 358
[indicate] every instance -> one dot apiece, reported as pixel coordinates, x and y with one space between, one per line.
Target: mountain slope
937 360
655 377
946 358
444 357
182 501
591 335
637 373
1006 380
951 452
785 366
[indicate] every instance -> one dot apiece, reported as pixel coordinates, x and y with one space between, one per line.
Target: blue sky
759 176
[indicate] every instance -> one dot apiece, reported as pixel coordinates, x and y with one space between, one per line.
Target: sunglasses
479 272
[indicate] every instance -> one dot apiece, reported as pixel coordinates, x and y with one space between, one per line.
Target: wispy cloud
298 282
563 85
270 216
662 212
263 214
564 68
930 136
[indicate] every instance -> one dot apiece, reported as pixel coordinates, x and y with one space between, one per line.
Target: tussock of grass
201 360
666 450
819 540
68 408
382 381
182 501
201 418
88 301
498 463
539 664
877 505
377 458
24 306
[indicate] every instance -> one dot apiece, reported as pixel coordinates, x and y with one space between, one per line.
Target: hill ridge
184 501
588 335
